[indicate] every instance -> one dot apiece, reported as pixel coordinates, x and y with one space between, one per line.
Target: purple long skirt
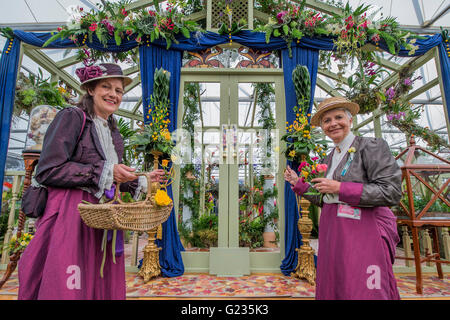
355 257
63 259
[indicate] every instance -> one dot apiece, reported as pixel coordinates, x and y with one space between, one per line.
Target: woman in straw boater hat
81 160
357 230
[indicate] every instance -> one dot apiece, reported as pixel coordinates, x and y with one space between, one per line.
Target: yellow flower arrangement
154 136
19 244
162 199
303 139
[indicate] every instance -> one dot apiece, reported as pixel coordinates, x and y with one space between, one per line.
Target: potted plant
41 100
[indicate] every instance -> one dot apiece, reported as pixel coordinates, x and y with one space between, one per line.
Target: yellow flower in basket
162 199
166 135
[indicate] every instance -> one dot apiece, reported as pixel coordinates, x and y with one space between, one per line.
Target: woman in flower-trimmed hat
357 230
81 160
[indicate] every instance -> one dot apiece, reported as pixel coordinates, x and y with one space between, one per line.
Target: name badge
346 211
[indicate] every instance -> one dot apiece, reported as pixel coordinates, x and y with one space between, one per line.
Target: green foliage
155 135
362 86
7 32
5 210
161 87
314 216
302 85
302 139
256 212
251 232
111 22
402 114
126 132
421 199
32 91
350 30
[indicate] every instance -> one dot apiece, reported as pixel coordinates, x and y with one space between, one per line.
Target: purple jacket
64 163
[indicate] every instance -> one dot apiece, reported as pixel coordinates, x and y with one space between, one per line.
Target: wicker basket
118 215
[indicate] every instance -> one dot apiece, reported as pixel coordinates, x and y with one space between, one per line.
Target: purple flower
89 72
280 16
407 82
390 93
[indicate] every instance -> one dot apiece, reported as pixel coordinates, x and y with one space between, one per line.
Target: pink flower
93 27
108 26
375 38
303 164
322 167
280 16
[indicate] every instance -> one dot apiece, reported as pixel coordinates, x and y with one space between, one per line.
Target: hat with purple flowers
101 71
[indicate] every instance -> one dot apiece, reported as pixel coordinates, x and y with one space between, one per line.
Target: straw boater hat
101 71
333 103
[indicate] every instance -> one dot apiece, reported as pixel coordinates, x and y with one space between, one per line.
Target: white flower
74 12
333 28
73 25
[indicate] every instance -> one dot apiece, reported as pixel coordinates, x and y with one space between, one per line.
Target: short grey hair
347 112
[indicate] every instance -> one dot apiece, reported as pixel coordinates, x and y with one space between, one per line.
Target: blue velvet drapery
306 53
152 58
8 76
292 237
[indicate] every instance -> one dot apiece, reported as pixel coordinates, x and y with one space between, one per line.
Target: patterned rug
253 286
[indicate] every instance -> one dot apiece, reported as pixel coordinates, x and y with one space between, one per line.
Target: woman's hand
123 173
158 175
290 176
324 185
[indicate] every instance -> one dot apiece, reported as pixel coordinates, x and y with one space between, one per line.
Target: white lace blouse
107 178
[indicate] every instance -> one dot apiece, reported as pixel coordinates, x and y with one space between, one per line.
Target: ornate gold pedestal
150 264
305 266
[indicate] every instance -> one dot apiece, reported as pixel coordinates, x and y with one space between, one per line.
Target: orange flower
165 163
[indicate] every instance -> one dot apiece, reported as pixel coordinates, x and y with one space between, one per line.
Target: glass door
227 176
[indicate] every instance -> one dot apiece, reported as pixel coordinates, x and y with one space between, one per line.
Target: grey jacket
375 168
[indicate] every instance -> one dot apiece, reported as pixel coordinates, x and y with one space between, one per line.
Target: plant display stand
150 264
305 267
